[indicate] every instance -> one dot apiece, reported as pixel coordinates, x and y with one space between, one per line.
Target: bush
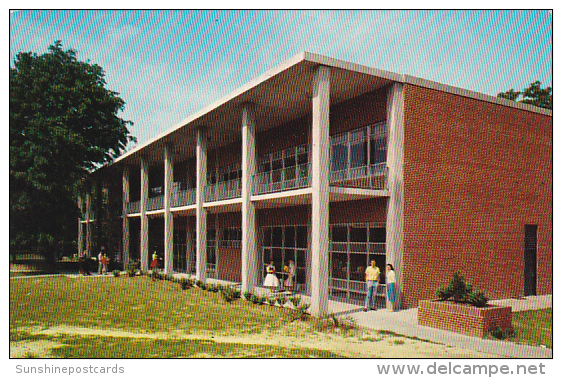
132 268
281 300
201 285
461 292
229 293
443 292
248 295
271 301
478 298
185 283
499 333
116 273
295 300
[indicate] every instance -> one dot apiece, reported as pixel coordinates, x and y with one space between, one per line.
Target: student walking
372 276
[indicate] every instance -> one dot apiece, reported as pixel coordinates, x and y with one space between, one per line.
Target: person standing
154 265
372 276
291 271
271 280
104 264
390 285
100 265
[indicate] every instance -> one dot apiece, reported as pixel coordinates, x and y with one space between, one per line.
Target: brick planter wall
463 318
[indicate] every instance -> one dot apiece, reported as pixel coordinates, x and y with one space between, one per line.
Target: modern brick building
331 164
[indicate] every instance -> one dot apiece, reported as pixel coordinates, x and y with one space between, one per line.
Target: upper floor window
354 151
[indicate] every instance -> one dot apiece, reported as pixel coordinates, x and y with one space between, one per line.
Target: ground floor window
282 244
352 247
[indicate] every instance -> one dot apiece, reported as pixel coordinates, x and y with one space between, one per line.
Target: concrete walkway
405 322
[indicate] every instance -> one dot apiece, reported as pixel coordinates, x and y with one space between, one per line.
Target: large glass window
281 170
359 154
352 246
282 244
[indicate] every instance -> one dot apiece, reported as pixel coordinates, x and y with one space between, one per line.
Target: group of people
372 278
272 282
83 267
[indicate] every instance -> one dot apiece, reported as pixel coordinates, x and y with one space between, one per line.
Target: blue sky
167 65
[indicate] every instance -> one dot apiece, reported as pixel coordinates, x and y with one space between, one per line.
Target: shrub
281 300
443 292
116 273
271 301
459 288
499 333
185 283
477 298
295 300
248 295
201 285
257 299
132 268
229 293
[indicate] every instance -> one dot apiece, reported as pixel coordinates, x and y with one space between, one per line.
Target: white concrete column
201 212
249 162
168 217
320 154
395 163
125 234
143 216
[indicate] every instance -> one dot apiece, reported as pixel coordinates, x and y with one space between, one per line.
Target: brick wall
462 318
474 174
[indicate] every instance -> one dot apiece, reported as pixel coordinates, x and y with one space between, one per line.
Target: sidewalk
405 322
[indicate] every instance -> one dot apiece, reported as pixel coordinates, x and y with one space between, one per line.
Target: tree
534 95
63 124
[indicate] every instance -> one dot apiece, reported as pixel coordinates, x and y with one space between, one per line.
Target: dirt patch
366 345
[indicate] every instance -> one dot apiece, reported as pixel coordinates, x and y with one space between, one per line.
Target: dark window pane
377 235
289 236
277 237
339 265
358 234
339 234
302 237
267 236
339 157
358 154
357 266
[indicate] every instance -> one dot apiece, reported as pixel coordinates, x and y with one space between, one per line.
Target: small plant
295 300
229 293
258 299
461 292
132 268
443 292
248 295
478 298
116 273
271 301
185 283
201 285
499 333
281 300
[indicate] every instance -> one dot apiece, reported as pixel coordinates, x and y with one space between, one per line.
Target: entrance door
530 260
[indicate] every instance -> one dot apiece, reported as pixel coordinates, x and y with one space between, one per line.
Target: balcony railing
282 179
183 198
366 177
223 190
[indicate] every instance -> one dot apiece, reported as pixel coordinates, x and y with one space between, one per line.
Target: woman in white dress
271 280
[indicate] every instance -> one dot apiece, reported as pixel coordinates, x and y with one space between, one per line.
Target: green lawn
141 307
533 327
134 304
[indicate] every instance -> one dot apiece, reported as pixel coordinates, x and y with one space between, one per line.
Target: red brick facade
475 173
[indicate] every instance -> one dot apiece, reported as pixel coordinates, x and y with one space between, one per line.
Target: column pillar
125 234
201 212
168 217
320 191
189 247
143 216
249 163
395 163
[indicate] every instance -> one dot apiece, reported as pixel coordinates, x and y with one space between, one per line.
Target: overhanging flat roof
282 94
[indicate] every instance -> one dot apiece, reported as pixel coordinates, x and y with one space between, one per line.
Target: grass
134 304
154 312
121 347
533 327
